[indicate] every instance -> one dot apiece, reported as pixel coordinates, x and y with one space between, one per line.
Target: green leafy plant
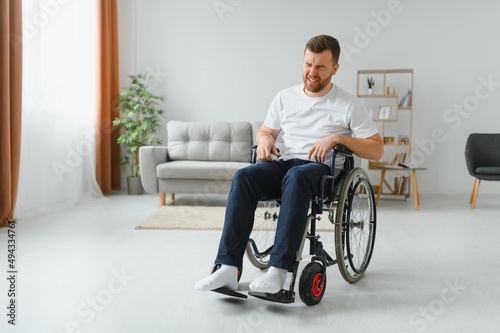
371 83
138 120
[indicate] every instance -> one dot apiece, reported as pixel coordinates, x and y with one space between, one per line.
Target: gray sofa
200 157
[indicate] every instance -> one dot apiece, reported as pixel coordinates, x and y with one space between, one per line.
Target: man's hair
322 43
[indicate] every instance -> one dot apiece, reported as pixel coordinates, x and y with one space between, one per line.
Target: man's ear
335 69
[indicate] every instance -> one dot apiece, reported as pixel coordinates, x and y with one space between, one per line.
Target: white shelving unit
393 114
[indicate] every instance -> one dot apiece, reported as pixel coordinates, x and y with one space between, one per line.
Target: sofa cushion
205 141
199 170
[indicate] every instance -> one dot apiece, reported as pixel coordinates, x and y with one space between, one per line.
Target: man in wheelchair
315 117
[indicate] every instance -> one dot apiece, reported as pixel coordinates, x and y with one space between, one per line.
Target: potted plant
138 121
371 83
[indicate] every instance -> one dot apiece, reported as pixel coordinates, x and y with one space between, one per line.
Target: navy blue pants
296 181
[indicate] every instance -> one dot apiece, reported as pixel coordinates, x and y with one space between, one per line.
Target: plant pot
134 185
370 91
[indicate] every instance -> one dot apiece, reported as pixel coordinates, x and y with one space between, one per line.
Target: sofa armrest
149 158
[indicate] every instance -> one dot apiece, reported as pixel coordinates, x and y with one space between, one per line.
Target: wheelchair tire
355 225
311 289
261 240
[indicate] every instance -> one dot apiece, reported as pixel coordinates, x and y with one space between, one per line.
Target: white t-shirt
304 120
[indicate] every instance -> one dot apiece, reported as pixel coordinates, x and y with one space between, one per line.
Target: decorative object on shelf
403 140
384 112
389 140
138 122
371 83
406 99
392 90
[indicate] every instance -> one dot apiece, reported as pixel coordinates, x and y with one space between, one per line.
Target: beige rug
198 218
184 218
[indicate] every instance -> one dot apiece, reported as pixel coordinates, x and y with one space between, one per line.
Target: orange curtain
11 105
107 150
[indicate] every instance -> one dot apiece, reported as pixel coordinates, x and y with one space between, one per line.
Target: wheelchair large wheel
261 240
355 225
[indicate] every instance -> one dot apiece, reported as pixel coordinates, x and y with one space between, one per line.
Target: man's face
317 71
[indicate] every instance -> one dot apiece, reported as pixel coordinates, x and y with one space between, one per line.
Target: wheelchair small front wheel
312 284
261 240
355 225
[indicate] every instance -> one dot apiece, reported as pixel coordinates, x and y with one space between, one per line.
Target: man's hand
322 147
264 152
266 137
370 148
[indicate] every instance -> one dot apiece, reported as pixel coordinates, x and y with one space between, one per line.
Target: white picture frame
384 112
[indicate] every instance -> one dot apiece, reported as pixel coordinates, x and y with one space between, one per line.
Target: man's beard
318 87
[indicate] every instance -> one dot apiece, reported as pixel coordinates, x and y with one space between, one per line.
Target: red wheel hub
317 287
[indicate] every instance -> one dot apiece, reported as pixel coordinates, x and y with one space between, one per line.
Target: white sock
225 276
272 282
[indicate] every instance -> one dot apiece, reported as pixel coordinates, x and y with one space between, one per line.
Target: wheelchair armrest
343 149
348 158
254 154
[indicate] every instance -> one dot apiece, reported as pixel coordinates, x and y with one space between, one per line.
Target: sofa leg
473 196
172 196
162 199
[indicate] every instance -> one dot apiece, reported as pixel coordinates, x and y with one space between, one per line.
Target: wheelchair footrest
282 296
229 292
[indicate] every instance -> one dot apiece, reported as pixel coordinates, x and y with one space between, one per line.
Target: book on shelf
398 158
406 99
401 157
395 159
400 185
395 190
403 183
406 156
407 165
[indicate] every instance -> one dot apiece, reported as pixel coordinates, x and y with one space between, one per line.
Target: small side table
413 170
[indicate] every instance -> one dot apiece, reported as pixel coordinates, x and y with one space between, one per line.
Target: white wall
227 64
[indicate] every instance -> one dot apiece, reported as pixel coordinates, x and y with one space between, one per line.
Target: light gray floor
87 270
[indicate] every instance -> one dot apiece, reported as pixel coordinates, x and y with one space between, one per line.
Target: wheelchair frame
339 195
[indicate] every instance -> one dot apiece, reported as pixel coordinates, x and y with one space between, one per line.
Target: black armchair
482 155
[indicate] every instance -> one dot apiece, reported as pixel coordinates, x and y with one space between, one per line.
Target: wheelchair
347 197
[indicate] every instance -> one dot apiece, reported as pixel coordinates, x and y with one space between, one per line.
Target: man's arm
370 148
266 139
